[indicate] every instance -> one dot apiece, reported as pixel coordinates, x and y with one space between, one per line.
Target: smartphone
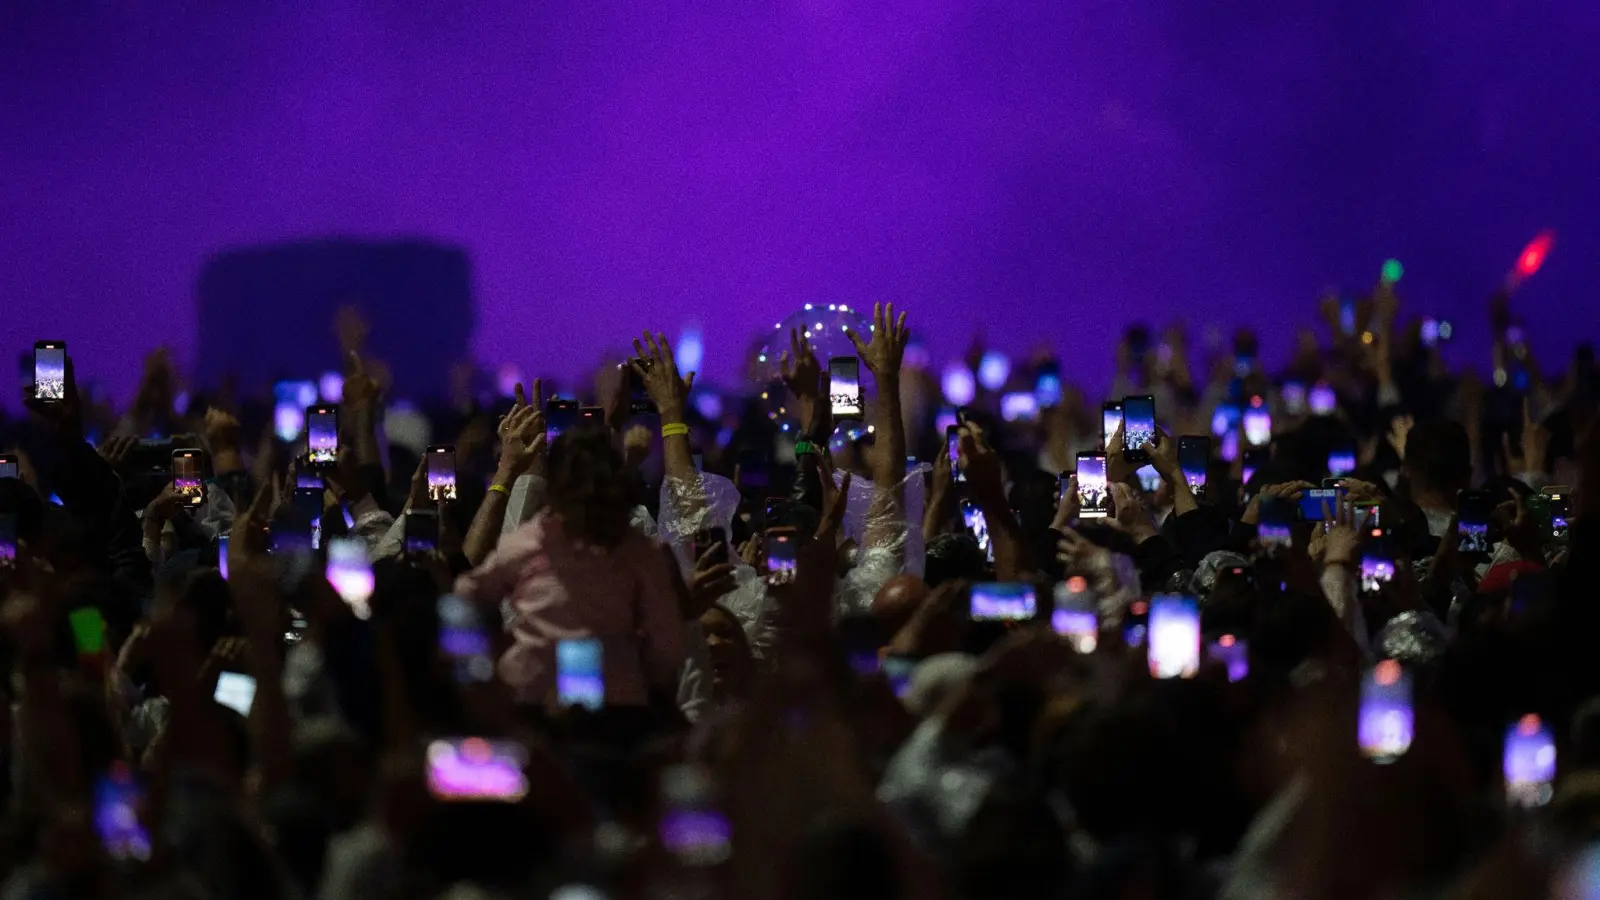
1094 495
1019 406
1047 385
1529 763
714 540
222 556
118 806
1386 722
1254 460
591 415
421 530
898 670
441 472
1369 514
844 374
1317 504
349 571
693 828
289 402
307 478
50 371
1275 523
322 436
1138 427
1559 505
1234 654
1174 636
187 474
1377 561
477 769
1110 421
1293 395
1473 509
1341 461
911 464
1257 423
1194 458
8 541
559 416
952 442
9 467
580 680
236 691
978 527
1076 614
88 631
639 402
464 640
1004 601
1322 400
782 554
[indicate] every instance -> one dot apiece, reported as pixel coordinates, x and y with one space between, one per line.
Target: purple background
1042 168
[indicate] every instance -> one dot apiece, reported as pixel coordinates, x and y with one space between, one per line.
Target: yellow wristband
501 488
674 430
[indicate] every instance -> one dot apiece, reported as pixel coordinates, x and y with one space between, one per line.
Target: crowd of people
644 652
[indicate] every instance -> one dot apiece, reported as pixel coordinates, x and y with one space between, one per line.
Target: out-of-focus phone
1377 561
952 442
1473 509
1369 513
783 558
50 371
477 769
639 402
1386 722
1138 427
421 530
1255 459
1257 422
118 805
1317 504
1274 528
9 467
188 473
349 571
1019 406
1004 601
580 679
1341 461
591 415
1529 763
1194 458
1136 624
1174 636
464 640
1293 395
978 526
236 691
1559 506
8 541
306 505
1047 385
1322 400
1094 495
844 376
222 556
693 828
322 436
289 402
714 540
88 631
559 416
1076 615
305 477
1234 654
441 472
1110 421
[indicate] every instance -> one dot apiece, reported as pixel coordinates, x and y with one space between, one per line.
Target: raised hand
361 388
115 449
803 376
888 345
834 501
523 444
658 369
1341 540
709 582
1164 457
1534 446
1129 514
1399 429
1067 505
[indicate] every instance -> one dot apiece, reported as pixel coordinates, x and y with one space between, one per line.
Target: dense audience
1316 633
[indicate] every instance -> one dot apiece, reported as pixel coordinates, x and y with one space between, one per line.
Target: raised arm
522 452
659 370
883 356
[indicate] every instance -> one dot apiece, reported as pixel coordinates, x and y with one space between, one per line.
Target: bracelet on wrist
675 429
804 447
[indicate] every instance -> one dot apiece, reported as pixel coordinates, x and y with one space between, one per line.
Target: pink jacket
559 588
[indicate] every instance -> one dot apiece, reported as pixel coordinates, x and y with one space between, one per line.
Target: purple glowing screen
1047 169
